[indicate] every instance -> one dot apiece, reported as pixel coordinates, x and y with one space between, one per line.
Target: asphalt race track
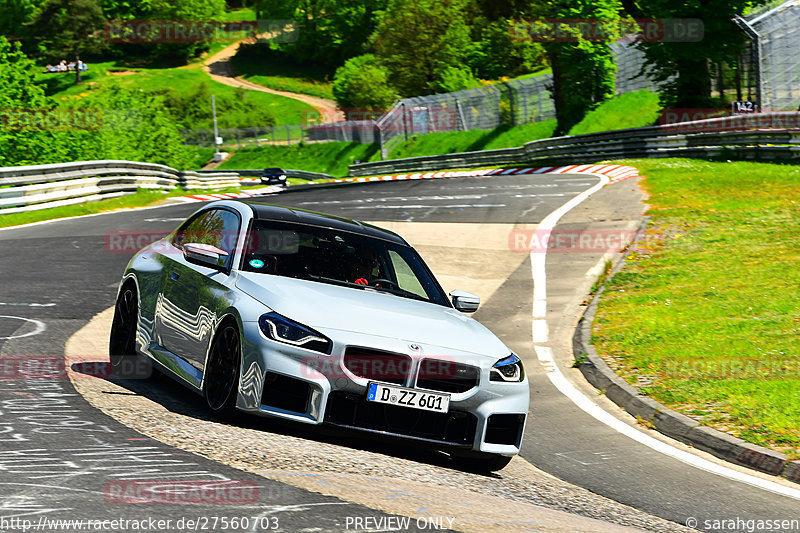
58 454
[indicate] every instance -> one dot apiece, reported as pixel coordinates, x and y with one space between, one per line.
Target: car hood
324 306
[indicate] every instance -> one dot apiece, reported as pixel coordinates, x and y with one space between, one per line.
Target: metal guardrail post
510 102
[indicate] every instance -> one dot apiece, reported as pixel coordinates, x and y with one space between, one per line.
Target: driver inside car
361 266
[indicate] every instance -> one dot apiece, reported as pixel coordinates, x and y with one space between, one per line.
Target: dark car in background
273 176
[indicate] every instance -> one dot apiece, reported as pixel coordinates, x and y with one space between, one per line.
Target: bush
363 84
192 109
456 79
110 123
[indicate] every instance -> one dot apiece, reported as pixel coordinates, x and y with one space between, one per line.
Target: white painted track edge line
544 355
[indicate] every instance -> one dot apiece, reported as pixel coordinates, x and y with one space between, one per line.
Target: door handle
174 276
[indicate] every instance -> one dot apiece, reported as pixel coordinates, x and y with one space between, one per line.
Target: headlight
281 329
507 369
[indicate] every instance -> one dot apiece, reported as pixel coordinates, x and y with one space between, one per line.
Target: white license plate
414 398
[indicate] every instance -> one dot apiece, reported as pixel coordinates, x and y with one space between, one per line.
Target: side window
217 227
406 279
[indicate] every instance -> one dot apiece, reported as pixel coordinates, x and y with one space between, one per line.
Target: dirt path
219 68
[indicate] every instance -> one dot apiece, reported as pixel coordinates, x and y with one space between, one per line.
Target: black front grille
283 392
504 429
353 410
375 365
447 376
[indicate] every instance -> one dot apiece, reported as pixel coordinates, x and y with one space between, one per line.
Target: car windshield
339 257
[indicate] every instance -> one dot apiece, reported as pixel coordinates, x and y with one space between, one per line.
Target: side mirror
464 301
205 255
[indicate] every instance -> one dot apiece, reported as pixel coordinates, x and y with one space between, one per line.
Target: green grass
330 157
284 75
708 307
182 79
143 197
629 110
200 156
242 13
467 141
535 74
233 15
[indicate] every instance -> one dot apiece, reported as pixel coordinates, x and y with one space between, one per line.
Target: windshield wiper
399 292
335 281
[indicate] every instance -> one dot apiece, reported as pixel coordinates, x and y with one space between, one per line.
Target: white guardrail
28 188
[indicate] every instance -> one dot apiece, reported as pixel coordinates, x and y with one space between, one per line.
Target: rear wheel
122 342
221 379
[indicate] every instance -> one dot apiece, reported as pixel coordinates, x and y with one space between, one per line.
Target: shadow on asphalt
181 400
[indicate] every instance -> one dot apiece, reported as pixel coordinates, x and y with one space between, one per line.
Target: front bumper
293 383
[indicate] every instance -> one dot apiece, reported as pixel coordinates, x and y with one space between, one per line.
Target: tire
122 341
481 462
221 377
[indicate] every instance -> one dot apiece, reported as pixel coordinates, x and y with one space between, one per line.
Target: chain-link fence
631 74
779 36
240 137
530 99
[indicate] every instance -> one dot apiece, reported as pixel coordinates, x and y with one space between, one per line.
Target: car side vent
283 392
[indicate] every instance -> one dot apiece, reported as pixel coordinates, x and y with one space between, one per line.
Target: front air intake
375 365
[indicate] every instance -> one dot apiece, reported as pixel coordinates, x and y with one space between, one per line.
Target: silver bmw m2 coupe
319 319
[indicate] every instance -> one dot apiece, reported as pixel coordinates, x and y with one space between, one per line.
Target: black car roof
301 216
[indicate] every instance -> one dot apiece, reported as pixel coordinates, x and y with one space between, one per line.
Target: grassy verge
231 15
330 158
182 79
141 198
467 141
629 110
200 156
704 316
283 74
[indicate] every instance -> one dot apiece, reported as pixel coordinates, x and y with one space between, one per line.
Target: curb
614 172
663 419
271 189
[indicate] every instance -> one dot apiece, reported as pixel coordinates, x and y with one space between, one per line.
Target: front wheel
221 380
122 342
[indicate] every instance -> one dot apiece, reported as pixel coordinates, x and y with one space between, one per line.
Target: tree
20 97
68 28
362 84
683 67
173 53
583 70
328 31
16 13
497 53
417 40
